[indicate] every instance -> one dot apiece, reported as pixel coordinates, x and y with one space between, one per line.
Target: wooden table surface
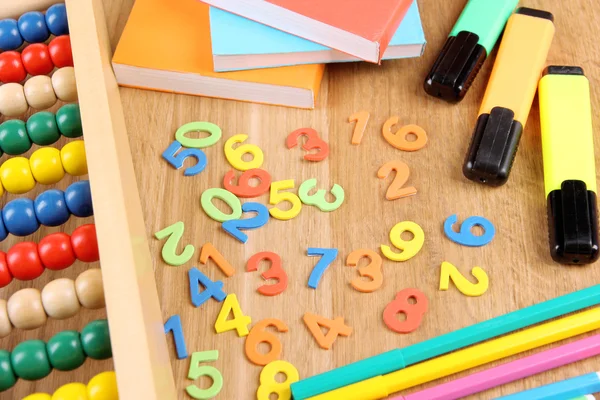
517 261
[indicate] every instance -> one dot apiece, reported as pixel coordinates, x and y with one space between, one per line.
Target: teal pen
397 359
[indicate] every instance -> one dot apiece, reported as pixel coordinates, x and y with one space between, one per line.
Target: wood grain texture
517 261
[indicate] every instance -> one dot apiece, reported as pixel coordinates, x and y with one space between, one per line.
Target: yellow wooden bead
25 309
38 396
63 82
39 92
73 158
12 100
16 176
5 325
71 391
46 165
103 387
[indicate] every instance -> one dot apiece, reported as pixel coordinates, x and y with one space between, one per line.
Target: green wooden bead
96 340
13 137
42 128
7 375
65 351
68 119
29 360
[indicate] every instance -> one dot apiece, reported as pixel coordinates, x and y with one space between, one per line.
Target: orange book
166 47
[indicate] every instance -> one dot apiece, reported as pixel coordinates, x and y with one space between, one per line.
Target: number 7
328 256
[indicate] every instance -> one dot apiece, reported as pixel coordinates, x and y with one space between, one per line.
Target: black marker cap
533 12
456 67
573 224
493 147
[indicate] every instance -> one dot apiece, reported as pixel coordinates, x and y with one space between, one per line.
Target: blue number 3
465 236
176 160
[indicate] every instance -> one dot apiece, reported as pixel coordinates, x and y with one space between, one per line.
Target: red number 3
313 142
275 272
413 312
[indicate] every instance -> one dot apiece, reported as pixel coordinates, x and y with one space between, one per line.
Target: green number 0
199 143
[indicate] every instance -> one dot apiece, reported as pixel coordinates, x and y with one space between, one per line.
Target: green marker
473 37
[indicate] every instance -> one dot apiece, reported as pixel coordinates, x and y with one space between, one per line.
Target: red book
362 28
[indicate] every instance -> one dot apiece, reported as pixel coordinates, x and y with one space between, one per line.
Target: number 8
269 385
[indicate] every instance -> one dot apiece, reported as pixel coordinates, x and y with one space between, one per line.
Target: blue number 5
328 256
176 160
233 226
465 236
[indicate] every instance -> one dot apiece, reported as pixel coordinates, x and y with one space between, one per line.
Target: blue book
239 43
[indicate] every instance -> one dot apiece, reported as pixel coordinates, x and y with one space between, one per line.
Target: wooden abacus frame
140 355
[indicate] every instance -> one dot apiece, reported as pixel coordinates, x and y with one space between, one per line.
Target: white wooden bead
39 92
12 100
63 82
89 289
25 309
60 299
5 325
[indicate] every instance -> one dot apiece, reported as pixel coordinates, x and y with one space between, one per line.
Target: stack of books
264 51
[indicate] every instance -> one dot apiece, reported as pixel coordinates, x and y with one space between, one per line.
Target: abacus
57 87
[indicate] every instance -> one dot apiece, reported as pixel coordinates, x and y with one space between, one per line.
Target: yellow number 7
276 197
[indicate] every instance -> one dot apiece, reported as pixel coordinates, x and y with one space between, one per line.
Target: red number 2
413 312
275 272
313 142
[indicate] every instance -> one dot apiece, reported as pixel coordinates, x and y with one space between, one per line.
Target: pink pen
511 371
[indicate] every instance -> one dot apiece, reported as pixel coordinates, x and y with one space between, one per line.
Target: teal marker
472 39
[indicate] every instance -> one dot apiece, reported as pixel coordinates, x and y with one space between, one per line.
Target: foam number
211 289
274 272
318 199
336 327
196 371
314 142
396 189
361 118
258 335
399 139
173 325
214 134
233 227
414 312
177 160
327 257
465 236
239 322
372 270
409 248
206 201
449 271
243 188
268 384
276 197
174 233
235 156
210 252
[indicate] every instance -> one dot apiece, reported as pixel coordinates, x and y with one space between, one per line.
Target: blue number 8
465 236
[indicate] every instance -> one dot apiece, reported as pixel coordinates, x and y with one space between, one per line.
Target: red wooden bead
60 51
56 251
36 59
24 261
5 276
85 243
11 67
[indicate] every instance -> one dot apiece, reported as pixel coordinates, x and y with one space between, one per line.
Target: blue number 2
328 256
465 236
176 160
233 226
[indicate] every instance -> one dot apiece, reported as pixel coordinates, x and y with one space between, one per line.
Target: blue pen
567 389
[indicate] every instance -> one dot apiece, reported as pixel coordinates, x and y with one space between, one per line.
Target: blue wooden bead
56 20
79 199
3 231
19 217
33 28
51 208
10 38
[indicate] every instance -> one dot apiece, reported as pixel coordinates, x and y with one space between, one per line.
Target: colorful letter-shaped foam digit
229 198
361 118
336 327
233 227
268 384
173 233
276 197
395 190
465 236
235 156
243 188
239 322
399 140
213 130
177 160
210 252
211 289
449 271
409 248
327 257
318 199
373 270
173 325
413 312
196 371
258 334
275 272
313 142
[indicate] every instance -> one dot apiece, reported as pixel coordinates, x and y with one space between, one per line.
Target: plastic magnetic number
173 233
176 160
449 271
233 226
213 130
234 156
258 334
327 257
396 189
413 312
336 327
274 272
361 118
209 251
465 236
398 139
318 199
409 248
239 322
211 289
268 384
276 197
372 270
173 325
196 371
243 188
229 198
313 142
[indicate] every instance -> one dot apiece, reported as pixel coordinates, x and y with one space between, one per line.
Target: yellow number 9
234 156
409 248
